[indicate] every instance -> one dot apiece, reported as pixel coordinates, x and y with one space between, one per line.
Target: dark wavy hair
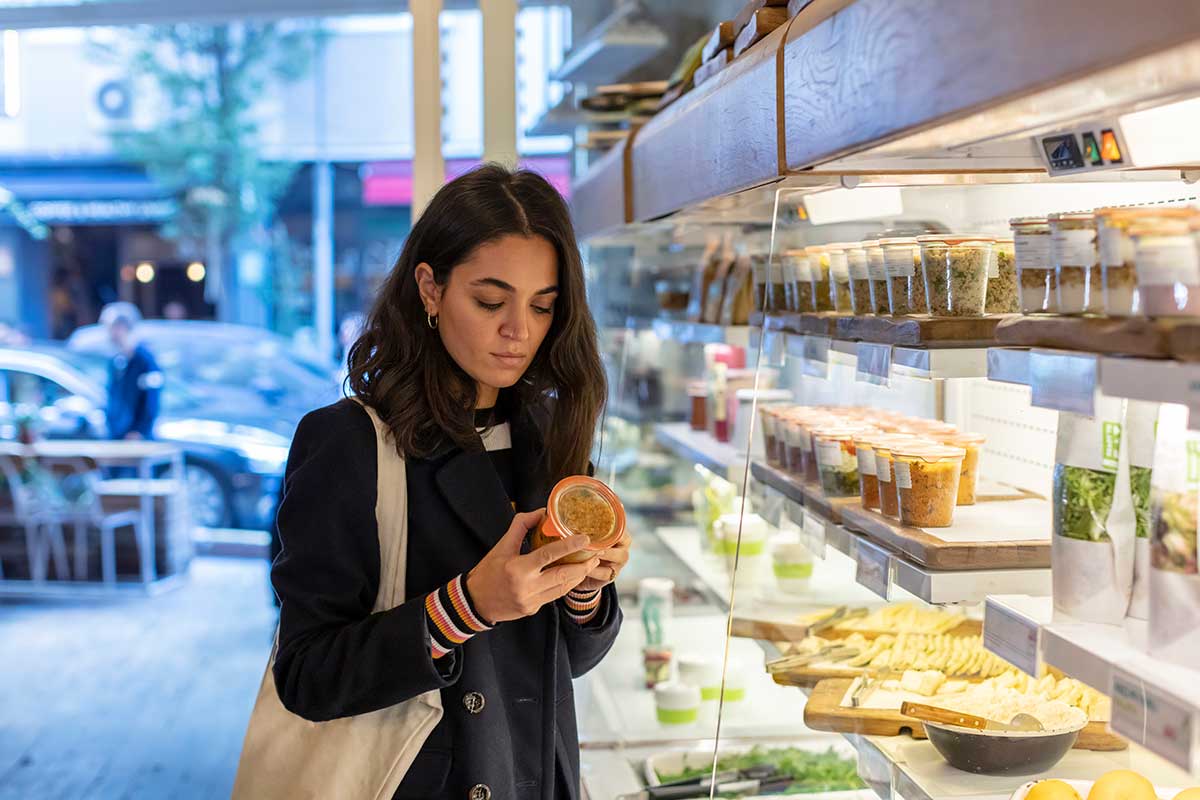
400 368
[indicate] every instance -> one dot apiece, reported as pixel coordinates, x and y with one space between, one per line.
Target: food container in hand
1035 265
580 505
956 269
793 566
837 461
1002 279
677 703
968 477
1076 262
877 270
819 269
703 672
926 478
860 279
906 282
1168 271
839 277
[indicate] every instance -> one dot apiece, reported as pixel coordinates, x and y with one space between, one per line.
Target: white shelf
968 586
1024 629
700 447
701 333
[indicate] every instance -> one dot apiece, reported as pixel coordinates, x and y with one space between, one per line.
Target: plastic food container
787 266
860 279
868 484
1035 265
955 270
1118 264
968 477
906 281
702 672
839 276
805 300
793 566
877 271
1076 262
753 535
698 399
581 505
745 400
837 462
677 703
769 421
1002 294
822 282
769 293
889 503
1168 271
926 478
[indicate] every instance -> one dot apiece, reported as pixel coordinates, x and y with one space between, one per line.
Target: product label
1074 248
876 266
857 264
994 264
1152 718
873 567
899 262
873 363
903 475
1032 250
829 455
1165 262
1091 442
1116 248
1012 637
883 469
866 461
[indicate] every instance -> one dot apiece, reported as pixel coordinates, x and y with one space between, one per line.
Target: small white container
793 566
677 703
703 672
741 420
735 681
754 535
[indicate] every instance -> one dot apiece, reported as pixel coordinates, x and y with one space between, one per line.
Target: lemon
1122 784
1189 794
1052 790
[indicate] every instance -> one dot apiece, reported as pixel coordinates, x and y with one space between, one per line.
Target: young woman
479 359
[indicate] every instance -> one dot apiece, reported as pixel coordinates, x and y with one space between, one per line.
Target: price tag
1012 637
1153 718
814 533
794 512
873 567
795 346
1063 381
816 356
773 347
772 505
874 364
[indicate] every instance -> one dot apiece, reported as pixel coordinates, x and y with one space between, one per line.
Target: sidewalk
139 698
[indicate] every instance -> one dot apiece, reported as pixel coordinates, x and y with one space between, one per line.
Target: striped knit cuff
581 606
452 617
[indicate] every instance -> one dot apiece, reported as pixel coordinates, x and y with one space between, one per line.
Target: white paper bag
1141 420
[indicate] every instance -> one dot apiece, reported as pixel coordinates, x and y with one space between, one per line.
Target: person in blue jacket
134 379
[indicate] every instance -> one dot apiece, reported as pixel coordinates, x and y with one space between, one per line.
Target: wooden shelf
920 331
1178 339
600 200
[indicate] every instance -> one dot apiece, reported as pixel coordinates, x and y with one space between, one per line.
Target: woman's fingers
543 557
562 579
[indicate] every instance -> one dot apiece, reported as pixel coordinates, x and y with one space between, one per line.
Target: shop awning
87 194
390 183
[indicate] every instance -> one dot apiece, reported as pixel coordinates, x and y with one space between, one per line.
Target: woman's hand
612 561
506 585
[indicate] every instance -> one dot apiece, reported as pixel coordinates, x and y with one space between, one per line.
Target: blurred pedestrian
134 379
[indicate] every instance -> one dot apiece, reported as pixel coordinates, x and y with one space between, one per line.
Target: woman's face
495 309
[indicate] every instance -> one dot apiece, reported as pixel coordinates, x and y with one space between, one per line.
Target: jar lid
957 239
814 249
898 240
1004 240
933 425
1020 222
1161 227
838 246
1071 216
582 505
1141 212
768 395
962 437
930 452
675 695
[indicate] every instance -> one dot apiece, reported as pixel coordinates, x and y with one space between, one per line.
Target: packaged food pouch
1093 532
1141 419
739 293
715 293
702 278
1174 577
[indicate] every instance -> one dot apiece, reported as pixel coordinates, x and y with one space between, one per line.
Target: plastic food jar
877 270
889 502
792 563
839 277
768 284
702 672
809 426
801 280
1076 262
677 703
698 398
860 278
1002 279
968 478
753 535
1168 271
581 505
926 478
906 282
787 265
1118 265
797 444
868 484
955 270
837 461
1035 267
769 421
822 282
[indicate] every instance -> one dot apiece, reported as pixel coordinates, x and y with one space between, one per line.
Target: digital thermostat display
1063 152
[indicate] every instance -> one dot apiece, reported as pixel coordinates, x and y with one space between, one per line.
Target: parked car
233 456
243 368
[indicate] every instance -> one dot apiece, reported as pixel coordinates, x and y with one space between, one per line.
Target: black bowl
997 753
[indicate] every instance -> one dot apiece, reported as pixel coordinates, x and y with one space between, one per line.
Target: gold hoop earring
432 321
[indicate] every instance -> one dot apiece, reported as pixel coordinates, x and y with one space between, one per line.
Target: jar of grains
819 272
906 283
1002 279
877 270
860 278
1035 269
1168 269
1076 262
839 277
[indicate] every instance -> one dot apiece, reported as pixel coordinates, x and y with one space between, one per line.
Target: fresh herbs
1174 544
810 771
1139 479
1082 500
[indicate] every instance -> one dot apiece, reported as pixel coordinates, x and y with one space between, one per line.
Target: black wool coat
509 722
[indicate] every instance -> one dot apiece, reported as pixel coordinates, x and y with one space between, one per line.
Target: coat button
474 703
480 791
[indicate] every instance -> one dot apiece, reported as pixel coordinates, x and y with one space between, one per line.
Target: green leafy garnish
1082 499
1139 479
810 771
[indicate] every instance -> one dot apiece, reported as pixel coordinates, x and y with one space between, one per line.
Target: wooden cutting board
776 631
824 712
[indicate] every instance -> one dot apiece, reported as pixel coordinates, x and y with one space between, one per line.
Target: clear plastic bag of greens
1141 419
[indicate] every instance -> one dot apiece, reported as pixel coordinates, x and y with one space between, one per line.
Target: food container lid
930 453
1021 222
1009 240
765 395
1071 216
962 437
954 240
1139 212
792 553
582 505
815 249
1161 227
896 241
676 696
